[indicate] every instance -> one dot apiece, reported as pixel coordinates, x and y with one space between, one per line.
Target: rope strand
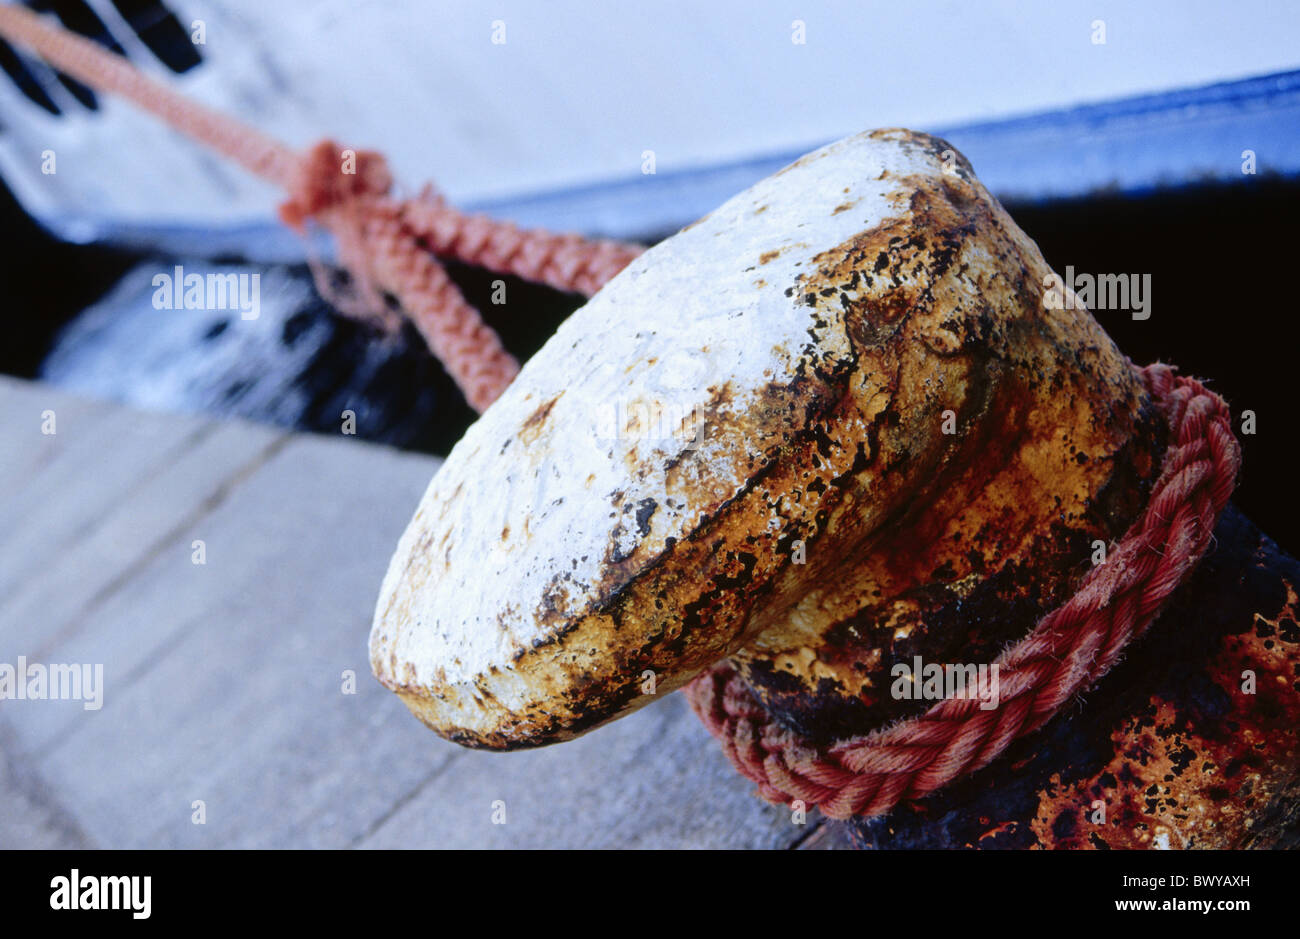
563 261
386 243
96 67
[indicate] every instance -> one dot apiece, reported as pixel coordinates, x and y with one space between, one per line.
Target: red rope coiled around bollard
1065 654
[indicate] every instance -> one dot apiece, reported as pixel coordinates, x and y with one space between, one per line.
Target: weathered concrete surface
28 817
652 780
223 682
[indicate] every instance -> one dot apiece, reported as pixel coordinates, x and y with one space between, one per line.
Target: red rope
1069 649
385 242
383 254
565 262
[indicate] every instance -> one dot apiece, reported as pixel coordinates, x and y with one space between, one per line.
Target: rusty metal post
912 445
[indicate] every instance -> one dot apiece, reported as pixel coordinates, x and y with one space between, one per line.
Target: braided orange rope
564 261
385 242
383 254
1069 649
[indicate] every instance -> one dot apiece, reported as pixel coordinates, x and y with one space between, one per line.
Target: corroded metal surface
883 444
1172 750
891 424
555 559
948 547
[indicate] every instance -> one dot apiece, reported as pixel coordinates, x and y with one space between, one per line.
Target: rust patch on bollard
1054 447
1178 755
1202 770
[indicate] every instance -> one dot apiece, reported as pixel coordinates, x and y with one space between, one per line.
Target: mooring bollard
909 455
882 393
897 449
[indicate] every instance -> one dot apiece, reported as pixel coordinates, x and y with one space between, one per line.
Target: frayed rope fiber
1066 653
